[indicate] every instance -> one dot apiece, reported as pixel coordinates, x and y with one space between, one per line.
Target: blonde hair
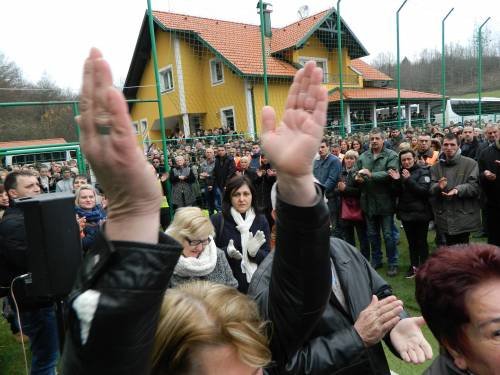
189 222
202 314
79 190
351 154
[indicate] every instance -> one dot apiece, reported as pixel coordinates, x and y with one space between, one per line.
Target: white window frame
135 127
216 60
222 117
163 71
304 59
142 126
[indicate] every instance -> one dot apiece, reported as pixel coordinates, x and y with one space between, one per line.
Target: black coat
486 161
333 345
14 258
224 169
225 230
413 195
470 149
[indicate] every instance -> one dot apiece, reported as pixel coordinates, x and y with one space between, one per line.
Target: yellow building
211 70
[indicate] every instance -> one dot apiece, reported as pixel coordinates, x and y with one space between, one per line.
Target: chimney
267 9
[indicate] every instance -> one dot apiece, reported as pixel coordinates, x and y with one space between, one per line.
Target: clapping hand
255 242
232 252
377 319
442 183
409 341
405 173
394 174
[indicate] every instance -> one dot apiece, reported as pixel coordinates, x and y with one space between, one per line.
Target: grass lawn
12 363
494 93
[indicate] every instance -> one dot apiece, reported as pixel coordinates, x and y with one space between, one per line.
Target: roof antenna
303 11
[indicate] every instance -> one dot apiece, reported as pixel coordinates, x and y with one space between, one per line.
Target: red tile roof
237 42
240 43
368 72
33 142
292 34
381 94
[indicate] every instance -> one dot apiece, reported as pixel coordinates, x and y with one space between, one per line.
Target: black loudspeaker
54 246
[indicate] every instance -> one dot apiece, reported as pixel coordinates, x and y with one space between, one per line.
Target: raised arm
301 279
115 303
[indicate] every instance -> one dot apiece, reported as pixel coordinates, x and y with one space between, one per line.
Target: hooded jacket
460 213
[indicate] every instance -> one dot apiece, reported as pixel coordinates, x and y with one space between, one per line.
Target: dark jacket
132 279
225 230
128 308
333 345
470 149
293 287
352 188
460 213
377 197
14 257
444 365
413 195
224 169
263 186
486 161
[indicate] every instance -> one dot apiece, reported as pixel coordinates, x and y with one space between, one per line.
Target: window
166 79
216 71
135 127
227 118
320 63
144 126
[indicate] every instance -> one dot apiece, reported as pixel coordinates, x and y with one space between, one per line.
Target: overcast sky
53 36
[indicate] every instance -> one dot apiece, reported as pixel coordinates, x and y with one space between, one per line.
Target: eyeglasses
195 243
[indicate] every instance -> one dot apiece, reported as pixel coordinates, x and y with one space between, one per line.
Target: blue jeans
218 198
41 327
374 225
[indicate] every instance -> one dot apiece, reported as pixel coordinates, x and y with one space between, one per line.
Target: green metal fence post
158 97
397 64
264 57
480 68
157 81
341 86
80 159
443 70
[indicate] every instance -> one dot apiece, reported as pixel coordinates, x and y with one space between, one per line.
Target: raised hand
292 146
409 341
110 146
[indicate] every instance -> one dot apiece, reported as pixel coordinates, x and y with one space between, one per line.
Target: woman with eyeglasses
241 231
200 258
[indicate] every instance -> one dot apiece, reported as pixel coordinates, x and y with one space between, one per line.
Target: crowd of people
258 270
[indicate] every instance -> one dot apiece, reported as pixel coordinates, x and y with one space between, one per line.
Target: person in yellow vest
164 207
425 154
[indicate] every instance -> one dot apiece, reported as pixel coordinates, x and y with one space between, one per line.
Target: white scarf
243 226
201 266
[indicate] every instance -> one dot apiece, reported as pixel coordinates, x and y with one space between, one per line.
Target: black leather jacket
333 345
132 278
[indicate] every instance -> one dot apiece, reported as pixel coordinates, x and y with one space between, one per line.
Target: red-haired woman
458 290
